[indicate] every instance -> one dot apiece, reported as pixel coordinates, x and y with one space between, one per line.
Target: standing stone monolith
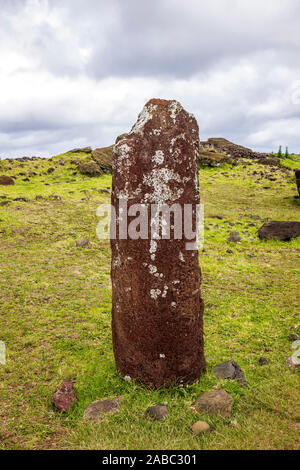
157 309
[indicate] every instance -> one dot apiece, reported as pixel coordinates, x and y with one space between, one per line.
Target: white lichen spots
181 257
156 132
116 262
174 109
173 304
127 193
164 294
179 136
154 293
127 378
122 162
152 249
128 289
158 179
158 158
176 282
162 356
129 258
144 116
152 269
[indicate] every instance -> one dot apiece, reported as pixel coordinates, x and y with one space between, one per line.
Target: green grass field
55 316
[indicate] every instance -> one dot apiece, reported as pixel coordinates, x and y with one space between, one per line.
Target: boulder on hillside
238 151
89 168
103 158
81 150
212 158
279 230
6 180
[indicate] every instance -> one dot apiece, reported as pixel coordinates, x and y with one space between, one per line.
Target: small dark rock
64 396
83 242
50 170
157 412
230 370
229 251
21 199
262 361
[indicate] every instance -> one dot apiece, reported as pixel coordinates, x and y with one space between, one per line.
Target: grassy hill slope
55 314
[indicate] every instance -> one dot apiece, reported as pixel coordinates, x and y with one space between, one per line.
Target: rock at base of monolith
157 308
214 402
64 396
230 370
279 230
157 412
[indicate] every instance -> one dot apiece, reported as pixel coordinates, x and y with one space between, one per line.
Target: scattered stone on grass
214 402
199 427
89 169
6 180
230 370
262 361
97 409
234 237
83 242
279 230
157 412
64 396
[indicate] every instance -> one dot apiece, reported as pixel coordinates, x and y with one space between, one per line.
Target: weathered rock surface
214 402
212 158
234 237
157 307
238 151
199 427
279 230
157 412
103 158
89 168
83 242
64 396
98 409
262 361
6 180
230 370
81 150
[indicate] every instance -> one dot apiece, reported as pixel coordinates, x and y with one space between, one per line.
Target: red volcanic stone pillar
157 310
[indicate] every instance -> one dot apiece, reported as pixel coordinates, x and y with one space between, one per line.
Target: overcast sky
77 72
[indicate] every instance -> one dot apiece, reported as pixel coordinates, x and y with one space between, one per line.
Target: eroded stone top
156 154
